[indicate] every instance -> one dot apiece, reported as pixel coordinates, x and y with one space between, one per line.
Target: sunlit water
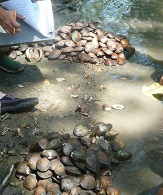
141 21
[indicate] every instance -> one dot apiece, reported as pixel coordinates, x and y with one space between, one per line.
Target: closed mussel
88 182
117 144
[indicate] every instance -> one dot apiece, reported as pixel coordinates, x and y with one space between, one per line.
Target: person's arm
8 22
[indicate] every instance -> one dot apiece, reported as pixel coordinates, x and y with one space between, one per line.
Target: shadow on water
143 59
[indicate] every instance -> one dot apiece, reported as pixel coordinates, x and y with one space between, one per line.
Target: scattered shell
118 106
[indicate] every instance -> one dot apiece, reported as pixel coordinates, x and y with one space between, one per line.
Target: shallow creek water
141 123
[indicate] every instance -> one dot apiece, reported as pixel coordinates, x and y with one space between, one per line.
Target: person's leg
13 104
7 64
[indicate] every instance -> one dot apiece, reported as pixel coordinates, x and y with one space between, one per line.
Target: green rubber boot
9 65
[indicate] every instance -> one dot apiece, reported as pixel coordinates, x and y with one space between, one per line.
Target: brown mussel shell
43 164
80 131
45 175
23 168
30 182
49 154
54 54
32 161
67 183
88 182
106 182
39 191
39 145
112 191
53 189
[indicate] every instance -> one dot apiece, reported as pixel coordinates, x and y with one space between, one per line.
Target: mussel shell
83 57
111 191
103 158
64 36
43 164
103 144
67 149
92 161
76 190
60 44
94 146
39 191
110 135
66 161
32 161
71 170
117 144
45 175
30 182
102 128
54 144
54 54
23 47
80 165
75 143
122 155
12 54
88 182
76 36
54 163
67 50
80 131
39 145
106 182
69 43
79 154
84 141
65 29
23 168
59 170
49 154
53 188
44 182
67 183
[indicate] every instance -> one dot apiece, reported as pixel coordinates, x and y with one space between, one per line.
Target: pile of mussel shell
81 163
80 42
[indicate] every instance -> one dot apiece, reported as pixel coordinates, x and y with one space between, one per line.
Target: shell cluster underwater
81 163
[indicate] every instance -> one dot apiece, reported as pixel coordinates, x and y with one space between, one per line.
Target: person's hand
8 22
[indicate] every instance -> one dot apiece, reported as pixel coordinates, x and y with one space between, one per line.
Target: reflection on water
142 23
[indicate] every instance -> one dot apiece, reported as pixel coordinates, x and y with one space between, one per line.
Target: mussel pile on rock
82 42
81 163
